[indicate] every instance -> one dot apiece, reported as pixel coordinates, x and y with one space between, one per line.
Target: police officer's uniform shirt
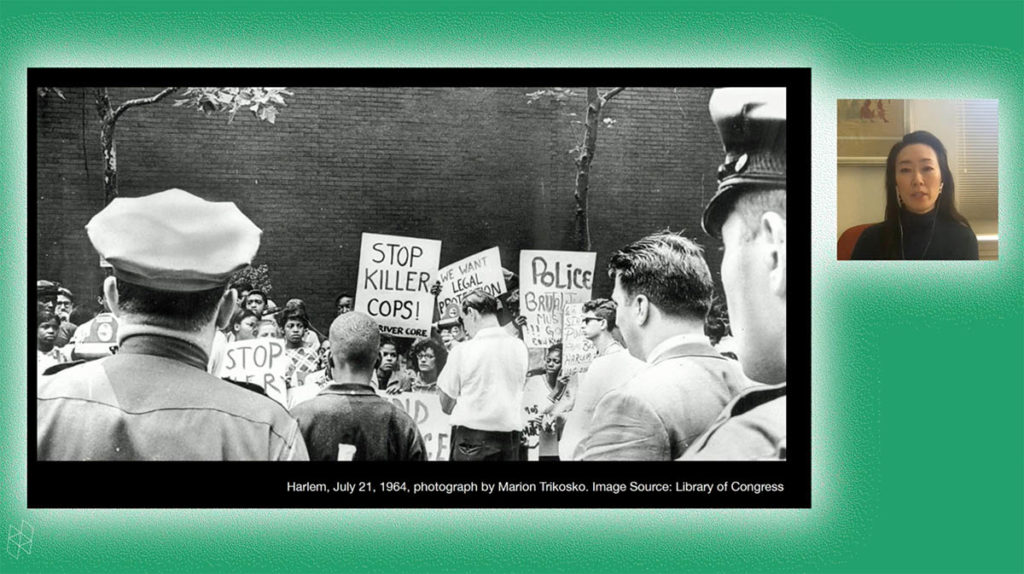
154 400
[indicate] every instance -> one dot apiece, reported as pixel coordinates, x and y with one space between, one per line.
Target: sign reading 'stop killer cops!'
547 281
395 276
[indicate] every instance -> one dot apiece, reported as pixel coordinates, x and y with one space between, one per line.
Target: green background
918 443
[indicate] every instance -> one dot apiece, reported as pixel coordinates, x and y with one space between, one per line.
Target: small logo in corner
19 541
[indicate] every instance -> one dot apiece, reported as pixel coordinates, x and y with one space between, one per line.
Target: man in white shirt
612 368
481 386
663 291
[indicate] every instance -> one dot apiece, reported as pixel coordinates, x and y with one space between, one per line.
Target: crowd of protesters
112 381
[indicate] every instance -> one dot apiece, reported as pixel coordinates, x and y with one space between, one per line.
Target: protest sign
395 276
425 409
577 350
480 271
547 281
261 362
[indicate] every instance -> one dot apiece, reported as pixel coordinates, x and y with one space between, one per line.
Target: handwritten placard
261 362
395 276
577 350
548 280
425 409
458 280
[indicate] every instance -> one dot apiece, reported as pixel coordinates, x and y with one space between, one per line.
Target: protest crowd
466 362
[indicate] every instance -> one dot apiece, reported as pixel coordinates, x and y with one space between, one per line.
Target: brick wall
472 167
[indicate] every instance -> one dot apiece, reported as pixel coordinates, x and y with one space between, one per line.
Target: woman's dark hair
239 316
440 354
289 313
945 204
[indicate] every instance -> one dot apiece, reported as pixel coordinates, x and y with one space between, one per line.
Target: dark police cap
174 241
752 124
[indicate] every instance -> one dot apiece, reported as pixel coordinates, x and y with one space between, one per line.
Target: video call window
917 179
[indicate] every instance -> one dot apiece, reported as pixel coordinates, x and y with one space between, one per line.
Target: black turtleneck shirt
925 236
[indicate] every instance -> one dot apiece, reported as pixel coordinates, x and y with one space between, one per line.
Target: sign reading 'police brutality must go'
548 280
577 350
395 276
481 271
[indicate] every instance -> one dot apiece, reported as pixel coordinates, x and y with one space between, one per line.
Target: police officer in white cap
749 214
172 254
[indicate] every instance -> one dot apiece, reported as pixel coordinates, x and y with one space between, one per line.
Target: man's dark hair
387 340
670 270
482 301
604 309
342 296
256 292
717 324
179 311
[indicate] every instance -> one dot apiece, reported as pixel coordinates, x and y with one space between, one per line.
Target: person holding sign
749 214
172 254
243 326
348 420
482 385
612 368
548 397
663 291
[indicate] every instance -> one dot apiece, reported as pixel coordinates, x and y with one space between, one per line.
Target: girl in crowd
550 397
427 358
243 325
47 353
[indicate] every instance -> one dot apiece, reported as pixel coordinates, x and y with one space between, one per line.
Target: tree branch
611 94
143 101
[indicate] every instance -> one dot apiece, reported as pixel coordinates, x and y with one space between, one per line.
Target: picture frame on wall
867 129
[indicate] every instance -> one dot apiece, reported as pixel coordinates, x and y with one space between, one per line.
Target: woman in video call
921 220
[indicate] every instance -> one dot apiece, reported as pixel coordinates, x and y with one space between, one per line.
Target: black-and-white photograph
378 273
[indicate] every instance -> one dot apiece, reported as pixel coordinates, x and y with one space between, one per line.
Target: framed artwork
867 130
